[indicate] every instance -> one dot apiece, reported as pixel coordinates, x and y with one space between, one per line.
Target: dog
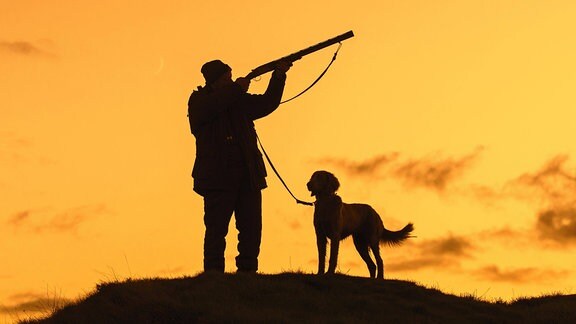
336 220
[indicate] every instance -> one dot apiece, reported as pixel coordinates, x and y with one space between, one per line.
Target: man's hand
283 66
243 83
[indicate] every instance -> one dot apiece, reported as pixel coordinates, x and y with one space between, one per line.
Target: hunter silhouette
229 171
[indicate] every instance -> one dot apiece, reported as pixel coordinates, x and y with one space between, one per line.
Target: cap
213 70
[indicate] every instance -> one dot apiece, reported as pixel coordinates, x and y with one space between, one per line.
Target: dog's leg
334 245
321 243
362 248
376 251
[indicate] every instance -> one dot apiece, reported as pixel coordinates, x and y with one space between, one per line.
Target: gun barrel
265 68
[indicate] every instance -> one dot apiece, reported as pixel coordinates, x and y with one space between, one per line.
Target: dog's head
322 183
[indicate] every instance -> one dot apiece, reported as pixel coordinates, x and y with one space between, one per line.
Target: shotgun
270 66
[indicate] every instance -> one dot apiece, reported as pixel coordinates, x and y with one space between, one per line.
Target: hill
298 298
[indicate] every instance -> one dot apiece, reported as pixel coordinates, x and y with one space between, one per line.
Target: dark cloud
557 225
437 253
368 167
486 195
432 172
553 188
506 234
19 218
554 184
520 275
23 48
449 246
41 221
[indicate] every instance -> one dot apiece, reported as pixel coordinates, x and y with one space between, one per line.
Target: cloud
23 48
431 172
553 184
19 218
507 235
553 187
437 253
449 246
368 167
557 225
448 253
35 303
41 221
519 275
488 196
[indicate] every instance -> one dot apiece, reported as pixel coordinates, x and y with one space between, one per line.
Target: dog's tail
397 237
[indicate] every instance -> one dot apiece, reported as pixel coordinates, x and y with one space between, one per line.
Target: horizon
454 116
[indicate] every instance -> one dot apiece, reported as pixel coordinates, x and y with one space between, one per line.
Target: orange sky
455 115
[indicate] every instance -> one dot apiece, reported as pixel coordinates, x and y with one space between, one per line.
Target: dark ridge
298 298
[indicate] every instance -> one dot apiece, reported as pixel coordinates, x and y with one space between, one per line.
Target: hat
214 70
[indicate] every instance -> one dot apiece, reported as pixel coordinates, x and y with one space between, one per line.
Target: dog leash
298 201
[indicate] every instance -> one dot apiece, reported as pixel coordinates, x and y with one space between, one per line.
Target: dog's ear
333 183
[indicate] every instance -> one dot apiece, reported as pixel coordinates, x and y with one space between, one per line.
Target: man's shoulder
199 91
199 94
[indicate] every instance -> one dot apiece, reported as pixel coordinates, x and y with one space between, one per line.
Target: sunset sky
457 116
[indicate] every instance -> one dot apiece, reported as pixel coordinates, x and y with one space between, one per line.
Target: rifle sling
317 79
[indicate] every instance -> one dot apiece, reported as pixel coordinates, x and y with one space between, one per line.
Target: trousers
246 205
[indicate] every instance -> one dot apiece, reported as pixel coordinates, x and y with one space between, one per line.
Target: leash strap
298 201
318 79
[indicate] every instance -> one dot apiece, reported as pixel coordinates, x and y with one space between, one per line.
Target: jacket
222 122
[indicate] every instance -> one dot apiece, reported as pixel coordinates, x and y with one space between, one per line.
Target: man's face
224 80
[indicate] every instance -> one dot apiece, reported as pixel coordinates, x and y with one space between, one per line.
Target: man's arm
262 105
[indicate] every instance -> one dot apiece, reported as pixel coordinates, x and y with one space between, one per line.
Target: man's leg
218 208
249 224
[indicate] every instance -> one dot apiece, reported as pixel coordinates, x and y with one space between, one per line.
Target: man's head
215 70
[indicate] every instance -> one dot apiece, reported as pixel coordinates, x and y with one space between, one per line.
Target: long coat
226 145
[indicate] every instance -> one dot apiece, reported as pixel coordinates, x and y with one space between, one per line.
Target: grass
298 298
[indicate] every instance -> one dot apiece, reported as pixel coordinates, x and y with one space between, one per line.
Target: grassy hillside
298 298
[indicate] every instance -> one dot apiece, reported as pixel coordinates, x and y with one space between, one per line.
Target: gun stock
265 68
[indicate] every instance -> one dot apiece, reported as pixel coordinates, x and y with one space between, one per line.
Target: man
229 171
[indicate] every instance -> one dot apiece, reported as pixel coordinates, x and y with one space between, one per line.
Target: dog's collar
326 196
